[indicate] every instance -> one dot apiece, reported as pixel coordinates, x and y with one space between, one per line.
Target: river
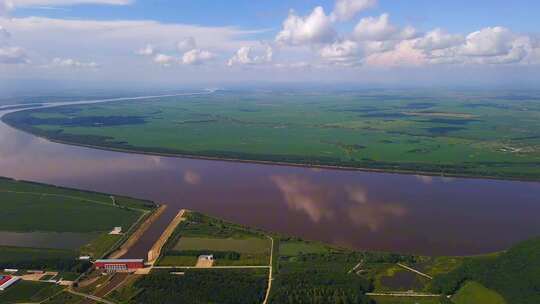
361 210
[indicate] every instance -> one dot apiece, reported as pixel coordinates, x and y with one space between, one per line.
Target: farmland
230 244
471 133
48 227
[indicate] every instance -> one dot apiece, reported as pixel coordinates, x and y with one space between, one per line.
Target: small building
119 265
7 281
11 270
116 231
209 257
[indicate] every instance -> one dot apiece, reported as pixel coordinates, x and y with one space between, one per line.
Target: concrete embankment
155 251
134 238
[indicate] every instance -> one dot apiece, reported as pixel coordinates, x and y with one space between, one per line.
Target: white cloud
313 29
403 54
13 55
438 39
186 44
4 35
341 53
196 56
72 63
6 6
247 55
164 60
380 29
148 50
347 9
490 41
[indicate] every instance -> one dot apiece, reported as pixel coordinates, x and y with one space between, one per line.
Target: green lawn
294 248
250 245
475 293
465 133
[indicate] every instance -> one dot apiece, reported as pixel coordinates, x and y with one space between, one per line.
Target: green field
513 274
25 292
473 293
473 133
409 300
251 245
202 286
231 244
47 227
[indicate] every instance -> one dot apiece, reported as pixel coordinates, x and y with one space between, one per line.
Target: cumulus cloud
148 50
72 63
403 54
347 9
247 55
380 29
13 55
491 41
164 60
438 39
186 44
6 6
4 34
345 53
316 28
196 56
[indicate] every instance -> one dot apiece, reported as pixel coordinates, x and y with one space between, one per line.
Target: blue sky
378 41
455 15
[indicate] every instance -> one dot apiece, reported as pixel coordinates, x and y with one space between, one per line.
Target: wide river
362 210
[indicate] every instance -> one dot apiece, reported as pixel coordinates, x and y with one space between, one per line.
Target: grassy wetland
437 132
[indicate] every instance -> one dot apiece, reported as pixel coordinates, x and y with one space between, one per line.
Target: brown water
375 211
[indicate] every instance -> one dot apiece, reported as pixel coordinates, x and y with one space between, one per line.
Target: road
91 297
415 271
270 270
213 267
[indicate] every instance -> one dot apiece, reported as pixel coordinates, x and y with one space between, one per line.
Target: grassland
231 245
28 292
513 274
470 133
407 300
313 272
473 293
49 227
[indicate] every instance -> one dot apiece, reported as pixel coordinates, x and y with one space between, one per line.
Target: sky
220 42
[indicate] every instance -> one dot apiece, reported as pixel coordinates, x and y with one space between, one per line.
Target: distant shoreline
274 163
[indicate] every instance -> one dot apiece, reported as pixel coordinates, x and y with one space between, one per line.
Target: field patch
26 292
53 240
248 245
294 248
475 293
224 286
413 130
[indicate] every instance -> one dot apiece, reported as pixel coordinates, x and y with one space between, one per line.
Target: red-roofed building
115 265
7 281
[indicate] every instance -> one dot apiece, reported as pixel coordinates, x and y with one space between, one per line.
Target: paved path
415 271
213 267
403 294
270 272
91 297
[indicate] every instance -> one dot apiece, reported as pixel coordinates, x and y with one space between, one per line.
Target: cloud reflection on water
318 202
192 178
